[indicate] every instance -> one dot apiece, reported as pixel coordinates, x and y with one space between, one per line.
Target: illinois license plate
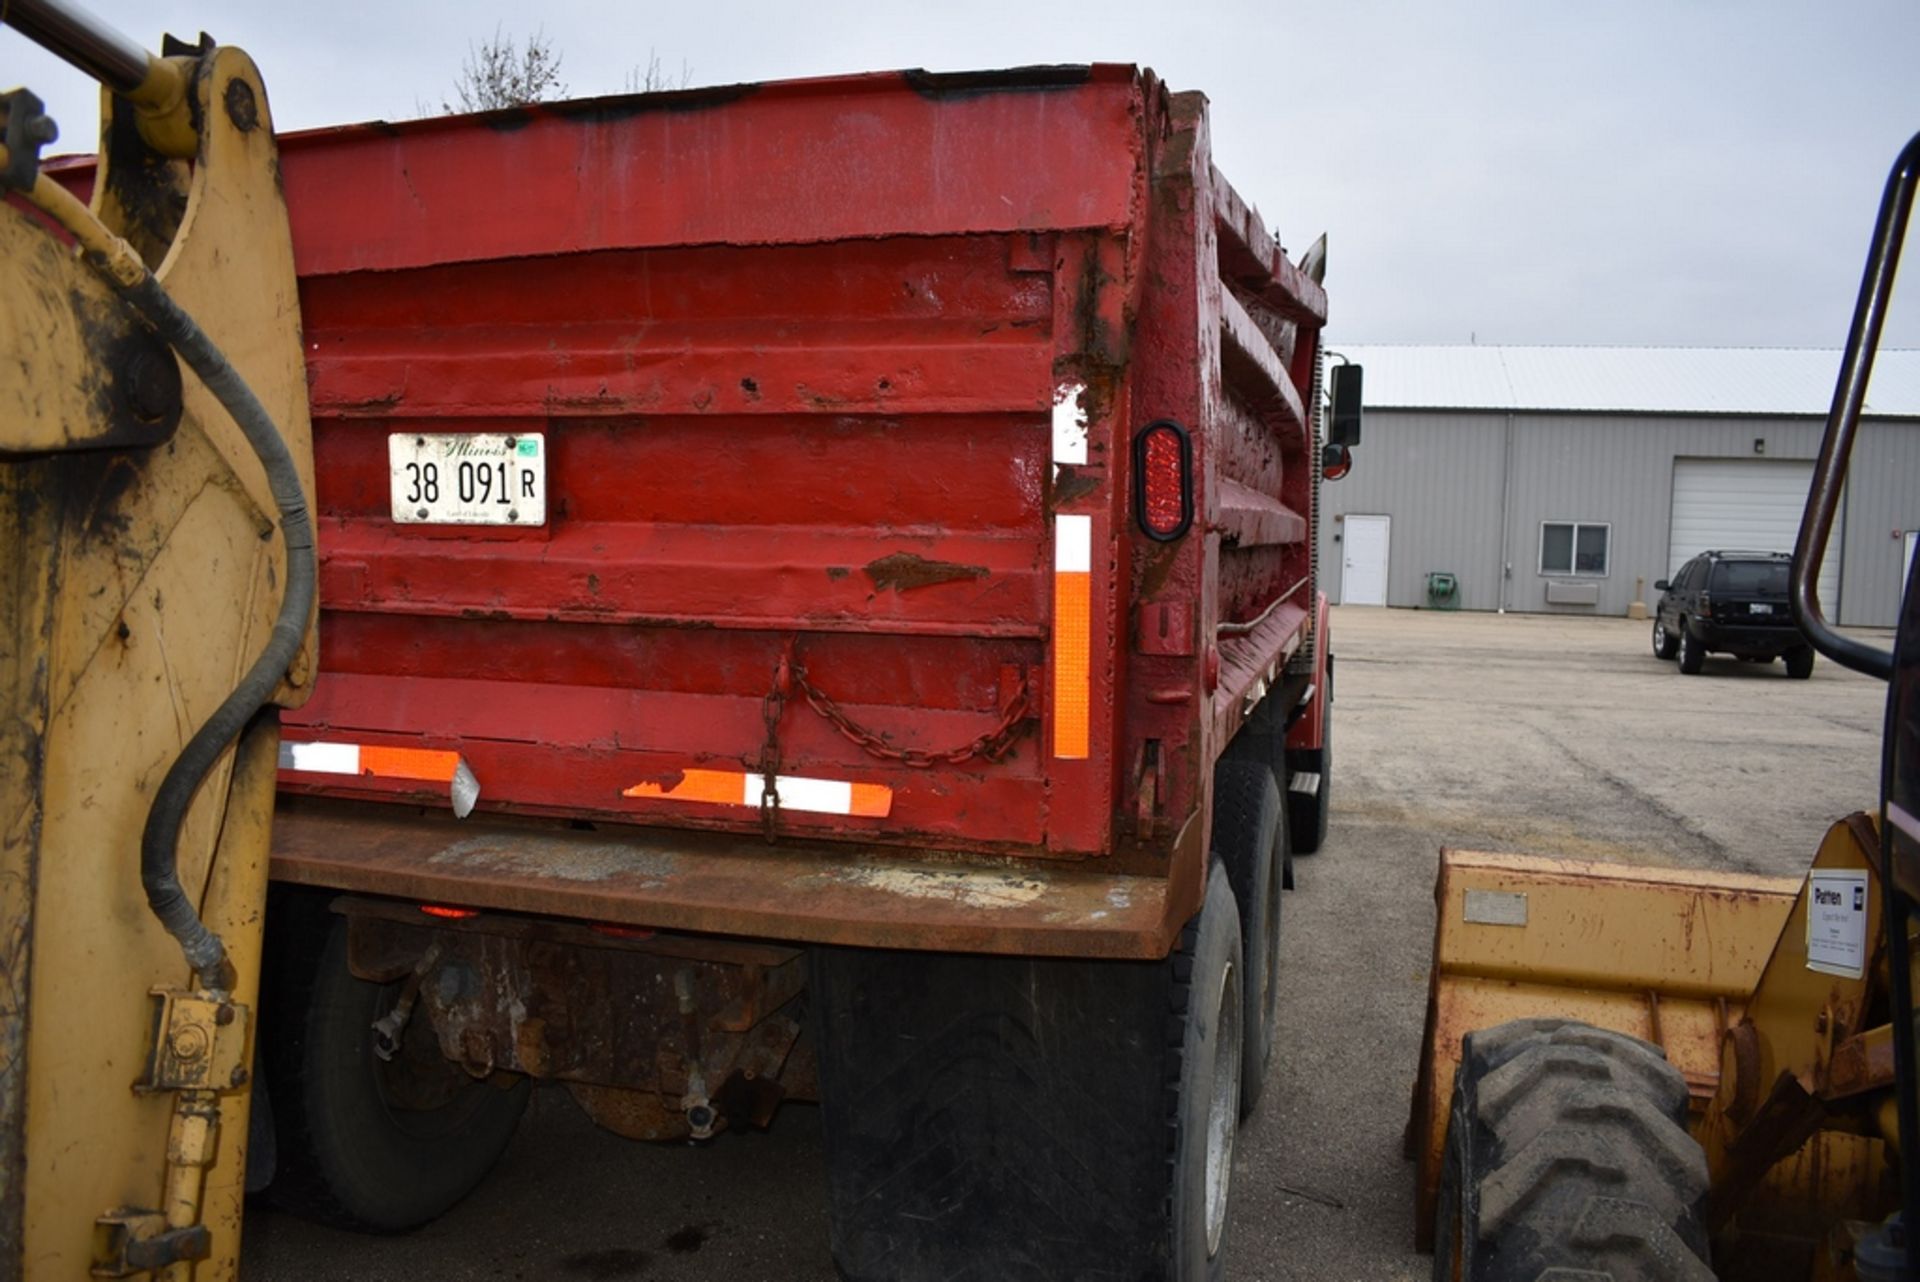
468 478
1759 607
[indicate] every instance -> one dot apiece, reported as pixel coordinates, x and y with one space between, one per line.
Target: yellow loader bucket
1666 955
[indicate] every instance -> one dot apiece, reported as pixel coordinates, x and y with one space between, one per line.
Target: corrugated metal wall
1883 495
1439 475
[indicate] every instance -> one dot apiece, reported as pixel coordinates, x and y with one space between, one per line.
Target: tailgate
794 457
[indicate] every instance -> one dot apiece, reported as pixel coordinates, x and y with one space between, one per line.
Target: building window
1574 547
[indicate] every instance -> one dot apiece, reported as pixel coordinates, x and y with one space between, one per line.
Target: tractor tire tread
1573 1145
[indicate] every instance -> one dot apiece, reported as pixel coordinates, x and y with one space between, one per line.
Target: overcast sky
1620 172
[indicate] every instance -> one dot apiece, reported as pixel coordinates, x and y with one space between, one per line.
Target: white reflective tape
1073 544
321 758
1902 820
814 796
1070 423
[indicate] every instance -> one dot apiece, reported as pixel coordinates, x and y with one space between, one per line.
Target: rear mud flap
994 1118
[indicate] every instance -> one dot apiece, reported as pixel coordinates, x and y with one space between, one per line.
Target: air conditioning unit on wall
1572 593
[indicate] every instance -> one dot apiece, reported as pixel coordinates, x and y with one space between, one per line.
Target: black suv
1730 603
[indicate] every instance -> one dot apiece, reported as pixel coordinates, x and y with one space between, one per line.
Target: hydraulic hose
121 267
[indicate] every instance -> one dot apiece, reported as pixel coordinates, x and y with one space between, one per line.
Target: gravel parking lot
1529 733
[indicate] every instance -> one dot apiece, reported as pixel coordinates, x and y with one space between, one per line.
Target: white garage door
1750 504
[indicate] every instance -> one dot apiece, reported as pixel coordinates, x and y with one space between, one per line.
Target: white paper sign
1837 923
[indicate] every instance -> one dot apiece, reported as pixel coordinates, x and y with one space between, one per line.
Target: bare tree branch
651 79
500 72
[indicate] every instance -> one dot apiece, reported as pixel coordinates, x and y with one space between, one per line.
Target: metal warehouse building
1565 479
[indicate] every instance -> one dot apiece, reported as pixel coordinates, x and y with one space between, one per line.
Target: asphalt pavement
1517 733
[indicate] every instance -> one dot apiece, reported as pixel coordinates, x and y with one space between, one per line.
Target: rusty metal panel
660 1036
668 879
1667 955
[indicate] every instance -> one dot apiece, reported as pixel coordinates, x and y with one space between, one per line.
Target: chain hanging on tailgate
772 708
994 745
991 746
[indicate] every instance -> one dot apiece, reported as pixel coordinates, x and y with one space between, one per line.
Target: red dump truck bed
668 444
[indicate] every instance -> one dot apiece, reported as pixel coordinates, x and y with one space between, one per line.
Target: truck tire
1250 841
1567 1155
1692 655
349 1152
1800 663
1017 1119
1208 1006
1308 813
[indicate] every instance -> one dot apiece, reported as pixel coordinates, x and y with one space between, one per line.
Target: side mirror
1344 429
1661 585
1335 462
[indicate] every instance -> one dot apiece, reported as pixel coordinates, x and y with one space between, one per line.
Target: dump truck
1657 1075
817 600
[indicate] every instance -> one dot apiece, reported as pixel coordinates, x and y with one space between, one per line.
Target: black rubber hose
159 844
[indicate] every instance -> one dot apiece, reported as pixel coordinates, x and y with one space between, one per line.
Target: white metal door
1750 505
1363 565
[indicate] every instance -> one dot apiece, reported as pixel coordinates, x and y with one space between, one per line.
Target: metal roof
1631 380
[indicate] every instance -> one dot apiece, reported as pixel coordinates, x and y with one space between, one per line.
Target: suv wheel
1800 663
1691 654
1663 641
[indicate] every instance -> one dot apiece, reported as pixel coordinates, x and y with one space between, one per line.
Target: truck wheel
1308 812
1664 643
1691 655
1208 1006
1800 663
1250 840
993 1119
363 1143
1568 1155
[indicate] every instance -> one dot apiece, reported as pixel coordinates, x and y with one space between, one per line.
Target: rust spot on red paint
838 572
1069 484
904 571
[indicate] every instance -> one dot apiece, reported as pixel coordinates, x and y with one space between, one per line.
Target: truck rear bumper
670 879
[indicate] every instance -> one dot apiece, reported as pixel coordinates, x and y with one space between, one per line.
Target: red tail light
1706 605
447 912
1163 480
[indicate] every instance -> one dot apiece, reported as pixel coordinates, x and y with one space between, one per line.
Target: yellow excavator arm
156 604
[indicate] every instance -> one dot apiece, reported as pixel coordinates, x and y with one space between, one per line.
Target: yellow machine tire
1568 1156
348 1152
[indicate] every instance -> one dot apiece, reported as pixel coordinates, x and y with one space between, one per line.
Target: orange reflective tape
1072 627
722 787
874 800
797 792
410 763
